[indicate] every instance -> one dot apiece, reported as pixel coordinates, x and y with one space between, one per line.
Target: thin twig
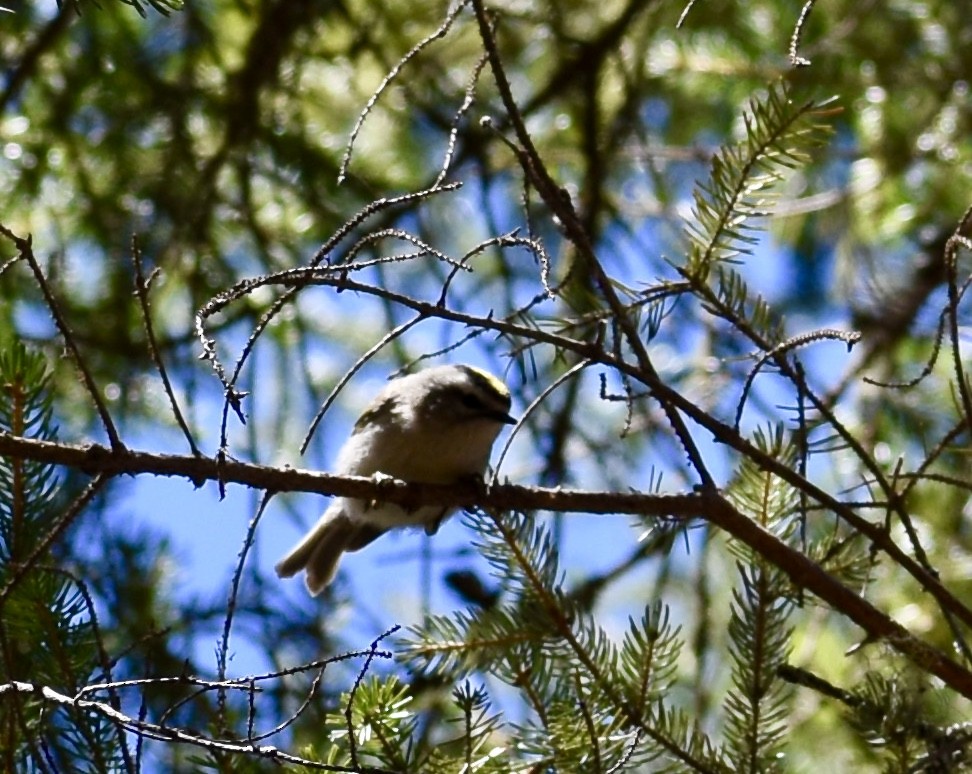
397 233
535 404
65 520
684 14
955 242
223 650
439 33
25 247
795 59
927 369
850 338
467 103
348 709
141 291
169 733
347 376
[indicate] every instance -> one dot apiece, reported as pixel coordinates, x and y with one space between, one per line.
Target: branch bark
706 503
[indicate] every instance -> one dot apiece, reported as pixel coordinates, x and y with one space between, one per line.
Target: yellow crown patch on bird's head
487 381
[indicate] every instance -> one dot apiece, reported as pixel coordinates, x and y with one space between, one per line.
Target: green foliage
763 496
900 717
731 206
478 740
759 703
378 728
218 133
164 7
648 658
593 702
30 488
48 635
779 133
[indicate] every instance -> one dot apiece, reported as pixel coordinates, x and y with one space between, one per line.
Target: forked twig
349 707
439 33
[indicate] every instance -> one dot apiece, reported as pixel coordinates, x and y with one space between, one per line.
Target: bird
435 426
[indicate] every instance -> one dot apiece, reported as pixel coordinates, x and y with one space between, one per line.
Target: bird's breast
426 456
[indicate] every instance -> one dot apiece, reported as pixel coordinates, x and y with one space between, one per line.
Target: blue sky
385 580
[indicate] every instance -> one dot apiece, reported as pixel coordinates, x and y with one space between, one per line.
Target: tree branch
706 504
173 734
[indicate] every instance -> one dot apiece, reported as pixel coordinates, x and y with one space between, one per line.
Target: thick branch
706 504
93 458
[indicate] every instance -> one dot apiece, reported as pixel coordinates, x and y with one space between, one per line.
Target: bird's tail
320 550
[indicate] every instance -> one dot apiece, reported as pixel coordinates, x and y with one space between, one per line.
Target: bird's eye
470 401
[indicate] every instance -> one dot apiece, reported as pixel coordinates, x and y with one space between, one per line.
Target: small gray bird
433 427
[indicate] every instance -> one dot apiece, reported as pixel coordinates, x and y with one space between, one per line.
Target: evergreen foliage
780 134
656 217
595 702
48 635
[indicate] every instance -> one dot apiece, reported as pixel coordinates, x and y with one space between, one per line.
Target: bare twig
439 33
795 59
534 404
70 513
467 103
25 247
349 707
141 291
170 733
850 338
347 376
684 14
958 240
223 650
